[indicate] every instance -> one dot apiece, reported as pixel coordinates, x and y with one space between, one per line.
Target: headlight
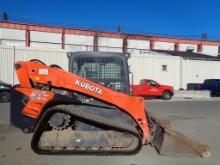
1 86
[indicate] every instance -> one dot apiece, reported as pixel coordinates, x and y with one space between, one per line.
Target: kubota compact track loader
89 111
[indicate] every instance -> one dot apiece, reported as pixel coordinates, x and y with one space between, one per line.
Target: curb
190 94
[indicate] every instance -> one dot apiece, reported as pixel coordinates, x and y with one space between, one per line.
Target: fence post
13 60
181 73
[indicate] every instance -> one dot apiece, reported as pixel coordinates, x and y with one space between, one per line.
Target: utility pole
204 36
119 29
5 16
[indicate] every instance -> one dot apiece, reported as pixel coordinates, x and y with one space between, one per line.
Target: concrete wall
7 59
179 72
184 47
45 37
10 34
195 71
45 40
210 50
12 37
110 44
164 45
79 42
15 37
148 65
45 45
137 46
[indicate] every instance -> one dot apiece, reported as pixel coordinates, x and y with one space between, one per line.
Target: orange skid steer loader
89 110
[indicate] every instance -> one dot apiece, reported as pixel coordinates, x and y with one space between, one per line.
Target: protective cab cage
108 69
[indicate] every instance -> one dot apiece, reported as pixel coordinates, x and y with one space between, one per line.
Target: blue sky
182 18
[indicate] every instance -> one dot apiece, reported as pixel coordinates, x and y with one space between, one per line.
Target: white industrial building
151 56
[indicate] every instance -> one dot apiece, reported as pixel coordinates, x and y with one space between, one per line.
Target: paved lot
198 118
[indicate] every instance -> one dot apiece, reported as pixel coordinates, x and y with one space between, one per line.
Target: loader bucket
168 141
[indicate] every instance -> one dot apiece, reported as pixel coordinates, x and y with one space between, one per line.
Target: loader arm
33 72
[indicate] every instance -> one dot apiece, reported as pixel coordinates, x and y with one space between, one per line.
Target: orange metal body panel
43 74
37 100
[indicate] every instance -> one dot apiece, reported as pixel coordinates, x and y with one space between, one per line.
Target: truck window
142 82
152 83
207 82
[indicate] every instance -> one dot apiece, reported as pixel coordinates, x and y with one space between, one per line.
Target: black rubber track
91 118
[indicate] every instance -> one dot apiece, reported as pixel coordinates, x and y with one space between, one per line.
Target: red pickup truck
149 87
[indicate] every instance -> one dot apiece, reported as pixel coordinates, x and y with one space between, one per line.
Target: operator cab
105 68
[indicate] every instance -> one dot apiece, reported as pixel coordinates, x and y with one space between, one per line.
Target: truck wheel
4 96
166 95
212 93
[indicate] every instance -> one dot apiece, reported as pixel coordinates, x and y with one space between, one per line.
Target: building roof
190 55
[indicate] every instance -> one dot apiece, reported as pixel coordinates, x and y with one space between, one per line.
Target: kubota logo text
88 86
